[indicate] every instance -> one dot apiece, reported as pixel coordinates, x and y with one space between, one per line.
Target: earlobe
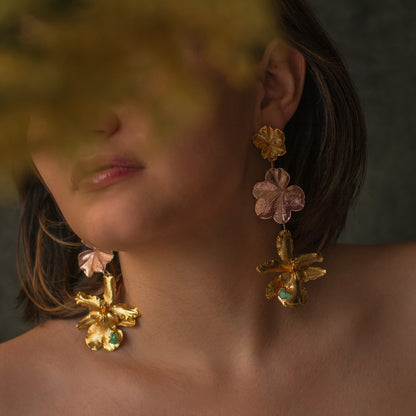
282 77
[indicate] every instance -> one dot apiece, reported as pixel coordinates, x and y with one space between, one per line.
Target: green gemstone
114 338
284 295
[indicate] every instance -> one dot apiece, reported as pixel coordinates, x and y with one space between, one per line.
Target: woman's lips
101 171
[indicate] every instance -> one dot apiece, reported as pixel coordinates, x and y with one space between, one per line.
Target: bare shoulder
380 279
384 275
32 367
390 273
399 261
370 294
17 371
378 285
391 264
393 272
49 370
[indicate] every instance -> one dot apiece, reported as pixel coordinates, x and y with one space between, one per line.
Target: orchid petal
88 301
284 245
313 273
90 319
124 312
305 260
94 338
288 279
271 266
273 287
127 323
109 289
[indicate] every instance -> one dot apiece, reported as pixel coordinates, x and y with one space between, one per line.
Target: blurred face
123 190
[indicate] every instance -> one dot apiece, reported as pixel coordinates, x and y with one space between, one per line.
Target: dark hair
326 154
47 263
327 139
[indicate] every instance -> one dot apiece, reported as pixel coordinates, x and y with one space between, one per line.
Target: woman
182 221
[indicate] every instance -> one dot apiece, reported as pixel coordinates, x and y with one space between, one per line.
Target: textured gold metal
294 271
271 142
105 317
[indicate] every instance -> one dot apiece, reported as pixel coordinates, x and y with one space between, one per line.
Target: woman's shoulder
379 259
39 342
370 294
378 284
376 278
49 370
385 272
33 366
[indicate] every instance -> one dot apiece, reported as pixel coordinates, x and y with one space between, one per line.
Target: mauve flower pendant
104 316
277 200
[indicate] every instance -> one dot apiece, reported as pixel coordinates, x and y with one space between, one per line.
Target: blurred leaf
69 60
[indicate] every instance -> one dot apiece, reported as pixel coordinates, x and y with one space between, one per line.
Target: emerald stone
114 338
284 295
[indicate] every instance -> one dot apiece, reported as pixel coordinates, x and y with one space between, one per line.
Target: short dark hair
326 155
326 138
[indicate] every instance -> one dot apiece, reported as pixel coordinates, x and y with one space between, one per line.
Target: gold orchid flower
294 271
104 317
271 142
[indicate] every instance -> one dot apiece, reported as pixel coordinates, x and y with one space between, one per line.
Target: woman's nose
108 123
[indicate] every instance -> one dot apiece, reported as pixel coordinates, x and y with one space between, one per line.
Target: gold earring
104 316
277 200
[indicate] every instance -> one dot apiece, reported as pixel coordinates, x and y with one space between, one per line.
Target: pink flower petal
261 187
283 215
276 200
264 208
295 198
94 261
280 211
278 176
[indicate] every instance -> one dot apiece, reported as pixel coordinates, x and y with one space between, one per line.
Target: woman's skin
208 342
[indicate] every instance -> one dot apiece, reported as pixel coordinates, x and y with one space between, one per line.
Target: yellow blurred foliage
69 60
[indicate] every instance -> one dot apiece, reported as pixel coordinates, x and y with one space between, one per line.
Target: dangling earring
276 200
104 316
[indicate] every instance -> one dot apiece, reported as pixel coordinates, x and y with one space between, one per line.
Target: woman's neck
201 299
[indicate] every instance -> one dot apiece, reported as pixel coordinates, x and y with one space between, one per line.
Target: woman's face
123 190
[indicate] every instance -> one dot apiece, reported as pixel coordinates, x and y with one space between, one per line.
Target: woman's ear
282 78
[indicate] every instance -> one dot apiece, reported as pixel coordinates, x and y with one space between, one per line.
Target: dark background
377 39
